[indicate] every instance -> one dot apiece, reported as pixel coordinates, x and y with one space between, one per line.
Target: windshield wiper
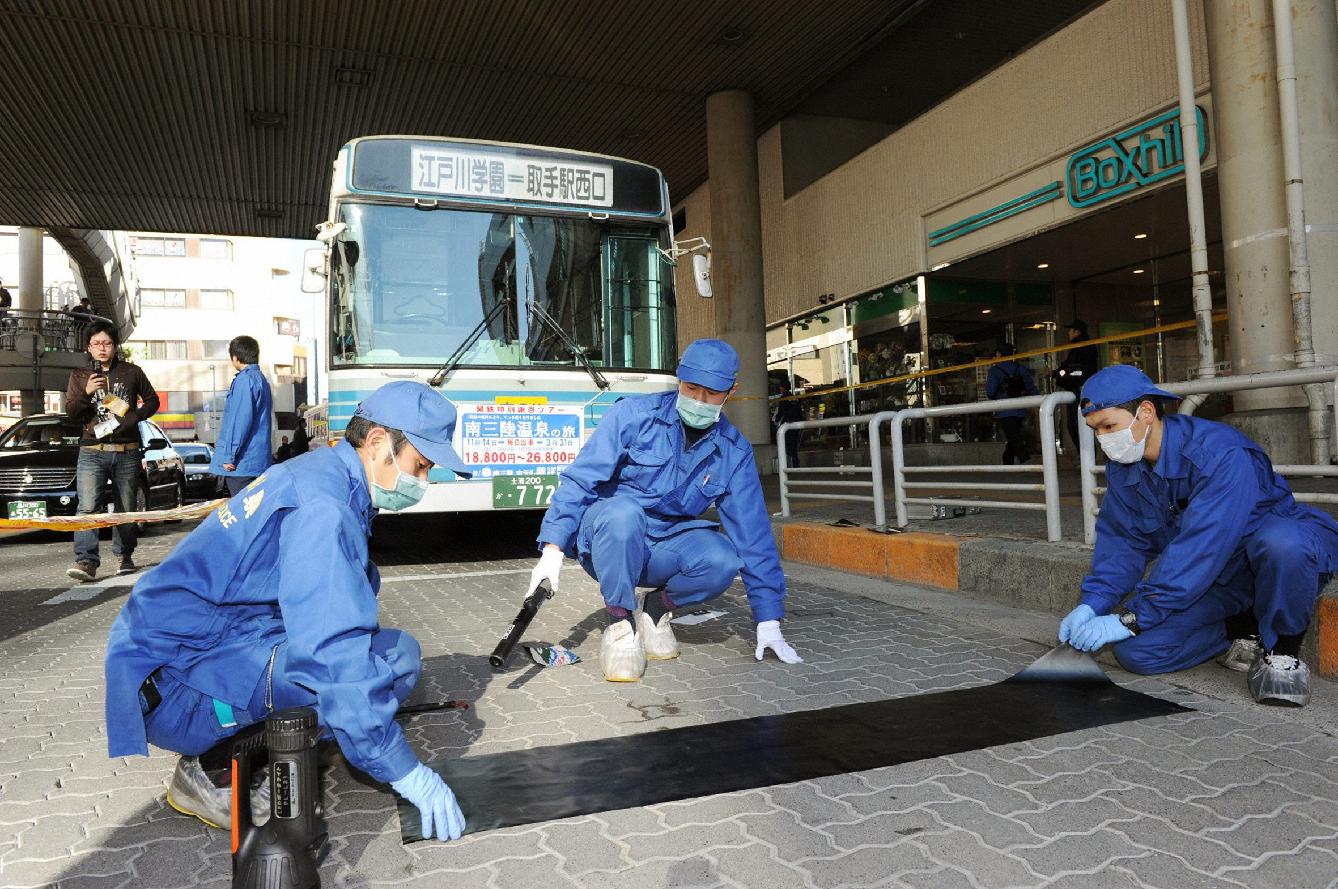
565 338
468 343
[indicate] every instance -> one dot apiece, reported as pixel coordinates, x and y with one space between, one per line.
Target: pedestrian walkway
1230 794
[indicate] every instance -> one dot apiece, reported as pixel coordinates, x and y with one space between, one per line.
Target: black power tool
281 854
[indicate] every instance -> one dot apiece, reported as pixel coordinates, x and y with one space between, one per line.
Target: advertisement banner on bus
517 439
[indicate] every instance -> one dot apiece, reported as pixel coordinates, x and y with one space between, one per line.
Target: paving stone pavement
1229 794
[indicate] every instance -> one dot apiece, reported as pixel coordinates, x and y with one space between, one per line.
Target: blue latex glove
1074 619
437 809
1100 631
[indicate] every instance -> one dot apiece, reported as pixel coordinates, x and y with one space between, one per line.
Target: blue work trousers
613 548
93 471
1277 574
186 722
235 483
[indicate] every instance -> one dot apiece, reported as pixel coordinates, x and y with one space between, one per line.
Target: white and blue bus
533 287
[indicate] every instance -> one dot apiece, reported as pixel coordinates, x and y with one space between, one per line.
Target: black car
200 482
38 457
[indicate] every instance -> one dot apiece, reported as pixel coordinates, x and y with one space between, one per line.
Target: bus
533 287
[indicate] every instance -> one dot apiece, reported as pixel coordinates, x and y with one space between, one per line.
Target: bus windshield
409 287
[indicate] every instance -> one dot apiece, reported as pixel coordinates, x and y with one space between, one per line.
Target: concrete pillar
1249 170
30 268
736 258
30 299
1243 68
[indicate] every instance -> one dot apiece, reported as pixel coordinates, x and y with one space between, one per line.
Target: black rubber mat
528 786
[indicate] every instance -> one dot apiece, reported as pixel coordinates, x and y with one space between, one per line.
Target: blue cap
422 414
710 363
1116 385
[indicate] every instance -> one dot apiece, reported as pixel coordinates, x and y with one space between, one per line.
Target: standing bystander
1079 365
109 397
1011 379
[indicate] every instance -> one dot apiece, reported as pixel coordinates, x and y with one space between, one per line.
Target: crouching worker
1239 562
627 509
271 603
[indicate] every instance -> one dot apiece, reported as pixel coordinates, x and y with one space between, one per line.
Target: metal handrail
59 330
1044 405
785 471
1269 380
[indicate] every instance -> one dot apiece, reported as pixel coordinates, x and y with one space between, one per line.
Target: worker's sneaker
84 571
127 566
1242 653
1280 679
620 653
193 792
657 637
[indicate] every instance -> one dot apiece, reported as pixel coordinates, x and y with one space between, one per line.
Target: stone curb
1030 574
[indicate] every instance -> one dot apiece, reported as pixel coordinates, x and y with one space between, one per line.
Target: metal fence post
784 476
1050 463
898 464
1087 474
876 475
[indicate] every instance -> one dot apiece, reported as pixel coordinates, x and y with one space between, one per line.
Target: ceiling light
352 76
1042 265
731 36
985 311
1139 271
941 265
1140 236
267 119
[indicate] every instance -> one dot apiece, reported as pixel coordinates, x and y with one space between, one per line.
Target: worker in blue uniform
628 511
242 451
271 603
1239 563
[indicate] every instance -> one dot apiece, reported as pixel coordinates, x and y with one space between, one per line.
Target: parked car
38 457
200 482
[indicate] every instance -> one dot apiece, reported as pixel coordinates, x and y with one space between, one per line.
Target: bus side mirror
313 270
701 274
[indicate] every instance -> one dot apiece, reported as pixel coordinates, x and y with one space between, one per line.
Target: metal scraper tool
1062 664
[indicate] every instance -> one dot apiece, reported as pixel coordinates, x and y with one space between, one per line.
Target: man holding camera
109 397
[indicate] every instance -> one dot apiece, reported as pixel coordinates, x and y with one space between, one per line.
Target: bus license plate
523 491
27 509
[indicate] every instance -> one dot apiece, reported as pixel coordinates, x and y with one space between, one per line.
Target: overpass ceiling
223 116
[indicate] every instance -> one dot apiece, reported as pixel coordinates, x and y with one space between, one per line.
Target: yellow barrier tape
987 362
108 519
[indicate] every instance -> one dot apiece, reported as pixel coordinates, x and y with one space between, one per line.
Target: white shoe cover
1280 679
620 653
657 638
193 793
1242 654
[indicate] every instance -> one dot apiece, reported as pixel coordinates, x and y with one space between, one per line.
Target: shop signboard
1145 153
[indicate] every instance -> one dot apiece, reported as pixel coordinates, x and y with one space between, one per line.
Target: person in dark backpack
1009 379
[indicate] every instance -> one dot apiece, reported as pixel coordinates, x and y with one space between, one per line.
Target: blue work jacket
244 434
1194 508
995 388
284 560
638 451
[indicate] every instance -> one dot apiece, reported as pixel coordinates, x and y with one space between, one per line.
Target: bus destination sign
504 176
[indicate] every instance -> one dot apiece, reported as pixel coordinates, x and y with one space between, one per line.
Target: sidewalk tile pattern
1227 795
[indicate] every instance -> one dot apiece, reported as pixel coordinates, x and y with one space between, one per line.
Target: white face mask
1121 447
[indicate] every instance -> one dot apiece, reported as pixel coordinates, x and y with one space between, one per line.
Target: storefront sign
1140 155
